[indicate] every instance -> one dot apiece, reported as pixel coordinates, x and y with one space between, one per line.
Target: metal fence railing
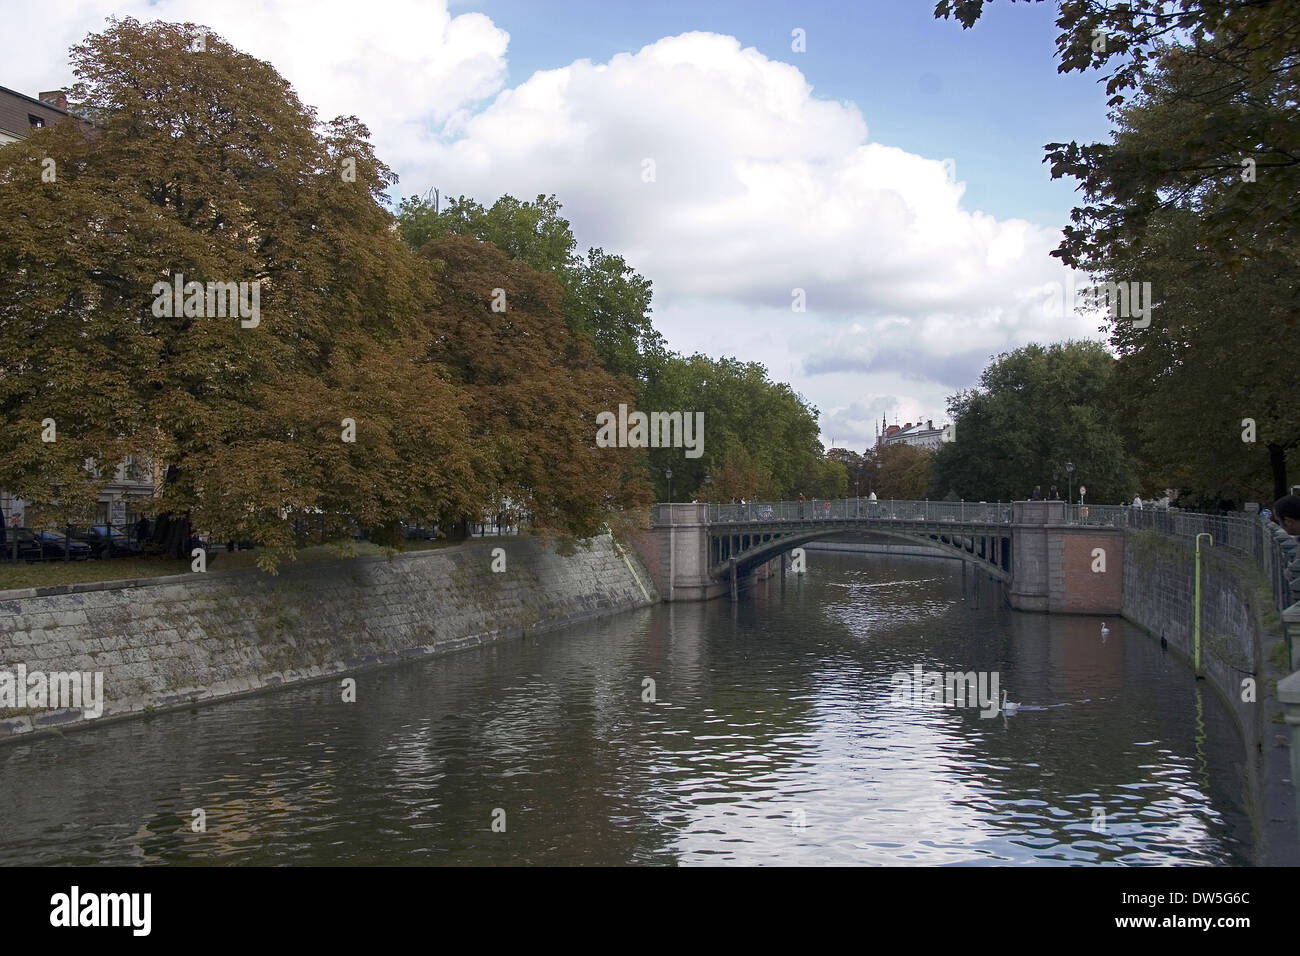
846 509
1278 555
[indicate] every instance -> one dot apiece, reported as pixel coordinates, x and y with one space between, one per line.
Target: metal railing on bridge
847 509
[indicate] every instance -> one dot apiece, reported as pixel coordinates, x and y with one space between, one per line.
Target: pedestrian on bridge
801 503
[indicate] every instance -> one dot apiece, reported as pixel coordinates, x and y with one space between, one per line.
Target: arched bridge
706 549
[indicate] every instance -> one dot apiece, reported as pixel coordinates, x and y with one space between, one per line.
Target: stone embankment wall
169 642
1160 595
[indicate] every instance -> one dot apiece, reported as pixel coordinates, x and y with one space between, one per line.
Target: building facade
922 436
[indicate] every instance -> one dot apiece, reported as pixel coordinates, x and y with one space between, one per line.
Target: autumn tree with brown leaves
349 401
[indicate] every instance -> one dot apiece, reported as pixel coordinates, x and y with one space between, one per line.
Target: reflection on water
772 738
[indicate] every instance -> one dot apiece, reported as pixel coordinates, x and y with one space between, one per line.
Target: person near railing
1286 512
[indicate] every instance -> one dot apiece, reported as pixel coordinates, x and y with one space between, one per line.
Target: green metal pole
1197 633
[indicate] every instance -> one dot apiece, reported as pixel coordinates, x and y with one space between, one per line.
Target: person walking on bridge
801 503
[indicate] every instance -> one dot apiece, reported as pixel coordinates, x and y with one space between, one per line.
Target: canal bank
175 642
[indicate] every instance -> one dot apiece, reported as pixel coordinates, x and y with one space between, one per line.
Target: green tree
1036 409
604 299
742 407
904 472
1199 195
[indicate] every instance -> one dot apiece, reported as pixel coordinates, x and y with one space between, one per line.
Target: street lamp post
1069 482
668 473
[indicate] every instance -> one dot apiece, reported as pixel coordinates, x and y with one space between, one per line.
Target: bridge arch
752 553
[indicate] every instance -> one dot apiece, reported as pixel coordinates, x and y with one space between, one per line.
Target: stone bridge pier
1064 568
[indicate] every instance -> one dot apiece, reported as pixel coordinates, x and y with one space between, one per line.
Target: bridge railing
847 509
1274 553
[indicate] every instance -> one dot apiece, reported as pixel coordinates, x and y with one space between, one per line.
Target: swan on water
1008 708
1104 630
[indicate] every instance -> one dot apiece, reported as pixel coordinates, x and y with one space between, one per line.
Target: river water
774 737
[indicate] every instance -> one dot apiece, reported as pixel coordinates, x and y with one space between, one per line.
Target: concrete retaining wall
169 642
1159 594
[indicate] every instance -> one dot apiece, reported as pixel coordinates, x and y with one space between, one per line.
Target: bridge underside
747 548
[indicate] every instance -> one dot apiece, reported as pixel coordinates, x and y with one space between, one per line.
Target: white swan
1105 631
1008 709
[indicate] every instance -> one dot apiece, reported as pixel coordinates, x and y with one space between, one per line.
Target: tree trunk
172 532
1277 463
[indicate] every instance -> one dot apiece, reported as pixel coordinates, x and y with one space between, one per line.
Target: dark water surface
773 738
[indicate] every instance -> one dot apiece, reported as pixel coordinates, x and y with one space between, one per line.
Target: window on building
36 121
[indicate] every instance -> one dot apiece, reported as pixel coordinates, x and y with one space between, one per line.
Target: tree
204 165
853 468
741 407
534 390
904 471
604 299
1198 195
738 479
1036 409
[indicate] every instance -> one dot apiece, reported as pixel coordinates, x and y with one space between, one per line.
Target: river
773 737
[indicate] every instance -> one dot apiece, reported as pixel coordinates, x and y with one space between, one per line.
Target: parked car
50 546
106 543
764 513
25 542
417 533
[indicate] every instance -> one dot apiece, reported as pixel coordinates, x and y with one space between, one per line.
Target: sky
876 166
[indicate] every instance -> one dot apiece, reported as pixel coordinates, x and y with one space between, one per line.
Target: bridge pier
1063 568
677 553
